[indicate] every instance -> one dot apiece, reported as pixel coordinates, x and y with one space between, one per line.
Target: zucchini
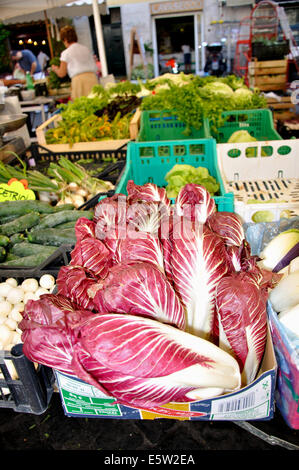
70 224
10 208
53 237
4 240
27 261
62 217
18 238
27 249
63 207
11 256
2 253
8 218
20 224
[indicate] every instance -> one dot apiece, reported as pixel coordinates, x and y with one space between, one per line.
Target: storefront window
172 33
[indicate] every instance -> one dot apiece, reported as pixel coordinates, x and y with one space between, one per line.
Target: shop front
176 24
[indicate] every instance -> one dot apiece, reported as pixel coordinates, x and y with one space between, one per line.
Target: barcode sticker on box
253 403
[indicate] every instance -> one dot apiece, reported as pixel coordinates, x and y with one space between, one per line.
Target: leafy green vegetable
219 88
95 118
198 97
181 174
54 81
241 136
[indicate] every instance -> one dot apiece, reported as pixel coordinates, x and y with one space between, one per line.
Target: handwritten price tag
15 192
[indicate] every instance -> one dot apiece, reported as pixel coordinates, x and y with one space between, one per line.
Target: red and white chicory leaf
149 192
144 363
198 262
195 202
242 317
49 331
73 283
84 228
227 225
139 289
110 216
140 246
91 254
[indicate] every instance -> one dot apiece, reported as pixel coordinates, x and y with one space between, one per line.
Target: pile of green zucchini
31 231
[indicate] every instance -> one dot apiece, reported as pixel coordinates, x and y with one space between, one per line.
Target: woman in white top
78 62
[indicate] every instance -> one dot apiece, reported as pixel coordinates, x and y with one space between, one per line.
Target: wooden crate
269 75
283 109
135 124
85 146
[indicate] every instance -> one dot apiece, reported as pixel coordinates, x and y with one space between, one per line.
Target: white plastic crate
269 173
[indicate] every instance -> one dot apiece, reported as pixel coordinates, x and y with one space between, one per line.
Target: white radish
16 338
12 282
15 295
15 315
5 307
11 323
4 289
5 335
19 306
41 291
47 281
30 285
30 296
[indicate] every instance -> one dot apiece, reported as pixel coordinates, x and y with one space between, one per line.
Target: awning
28 13
23 8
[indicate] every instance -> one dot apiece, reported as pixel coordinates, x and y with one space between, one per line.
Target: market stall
170 173
19 9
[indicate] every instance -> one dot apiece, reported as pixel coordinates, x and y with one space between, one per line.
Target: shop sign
15 191
176 6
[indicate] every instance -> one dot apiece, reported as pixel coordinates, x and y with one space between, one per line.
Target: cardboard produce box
253 402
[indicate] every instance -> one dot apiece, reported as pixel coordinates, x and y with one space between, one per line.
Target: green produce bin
165 125
149 162
258 122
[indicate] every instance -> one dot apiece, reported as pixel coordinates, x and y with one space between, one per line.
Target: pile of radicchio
160 302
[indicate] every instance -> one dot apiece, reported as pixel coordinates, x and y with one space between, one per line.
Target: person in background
215 64
78 62
28 62
42 60
18 73
187 57
99 67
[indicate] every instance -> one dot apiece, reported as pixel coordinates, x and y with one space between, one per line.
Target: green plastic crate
149 162
258 122
165 125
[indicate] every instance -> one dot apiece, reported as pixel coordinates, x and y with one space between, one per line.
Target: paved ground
54 431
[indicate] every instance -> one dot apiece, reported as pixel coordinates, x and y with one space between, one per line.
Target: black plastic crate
106 164
60 257
52 265
31 392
